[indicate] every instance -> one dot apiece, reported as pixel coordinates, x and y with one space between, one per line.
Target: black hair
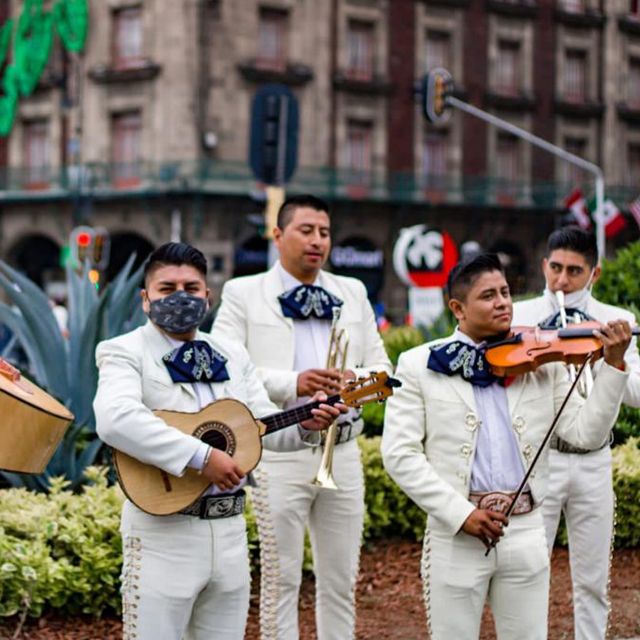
177 253
574 238
289 206
466 272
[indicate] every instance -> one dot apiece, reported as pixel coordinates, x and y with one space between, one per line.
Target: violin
527 348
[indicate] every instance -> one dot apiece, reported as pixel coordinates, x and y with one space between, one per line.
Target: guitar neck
277 421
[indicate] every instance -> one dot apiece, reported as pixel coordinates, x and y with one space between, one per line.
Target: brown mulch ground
390 602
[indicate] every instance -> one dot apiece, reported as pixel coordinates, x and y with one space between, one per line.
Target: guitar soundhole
217 435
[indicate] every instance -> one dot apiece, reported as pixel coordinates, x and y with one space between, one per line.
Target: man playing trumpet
284 317
580 479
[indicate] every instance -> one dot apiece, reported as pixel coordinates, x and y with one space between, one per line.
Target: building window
573 6
633 86
508 73
438 50
360 50
127 37
37 149
574 77
571 174
633 164
273 30
507 158
358 157
435 153
127 135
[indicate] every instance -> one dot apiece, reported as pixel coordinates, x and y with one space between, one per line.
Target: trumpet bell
324 479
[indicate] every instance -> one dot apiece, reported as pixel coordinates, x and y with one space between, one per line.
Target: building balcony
585 18
368 85
290 73
134 70
576 108
211 178
516 8
517 101
629 112
629 23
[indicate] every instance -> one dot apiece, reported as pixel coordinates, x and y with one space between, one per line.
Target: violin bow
543 444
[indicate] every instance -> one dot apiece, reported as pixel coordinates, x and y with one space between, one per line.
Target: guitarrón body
229 425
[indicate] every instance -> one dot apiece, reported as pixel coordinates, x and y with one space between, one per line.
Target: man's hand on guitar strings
324 415
222 471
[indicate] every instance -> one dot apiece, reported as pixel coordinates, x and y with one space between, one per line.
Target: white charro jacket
134 381
431 429
533 311
250 312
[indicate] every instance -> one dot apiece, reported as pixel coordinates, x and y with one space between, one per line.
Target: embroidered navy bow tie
573 316
459 358
196 361
306 301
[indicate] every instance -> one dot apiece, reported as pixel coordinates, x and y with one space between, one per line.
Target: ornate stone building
147 132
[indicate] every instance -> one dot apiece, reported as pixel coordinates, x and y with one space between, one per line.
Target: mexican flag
577 205
614 221
583 213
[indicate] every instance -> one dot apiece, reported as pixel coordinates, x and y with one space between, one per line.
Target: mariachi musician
458 440
186 574
580 483
284 318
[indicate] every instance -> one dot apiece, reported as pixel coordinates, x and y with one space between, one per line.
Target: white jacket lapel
272 289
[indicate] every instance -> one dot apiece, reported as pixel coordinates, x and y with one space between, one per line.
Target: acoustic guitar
32 424
227 425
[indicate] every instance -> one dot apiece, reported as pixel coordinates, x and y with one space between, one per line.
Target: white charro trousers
183 577
335 521
513 578
580 485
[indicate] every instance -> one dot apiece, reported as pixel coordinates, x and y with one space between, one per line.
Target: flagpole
589 167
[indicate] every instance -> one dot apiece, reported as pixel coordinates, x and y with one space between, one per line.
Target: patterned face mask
178 313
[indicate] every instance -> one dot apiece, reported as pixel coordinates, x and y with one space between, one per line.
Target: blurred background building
147 132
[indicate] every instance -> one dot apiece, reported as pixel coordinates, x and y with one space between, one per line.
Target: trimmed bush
63 551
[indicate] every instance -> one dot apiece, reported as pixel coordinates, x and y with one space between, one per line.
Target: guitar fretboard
284 419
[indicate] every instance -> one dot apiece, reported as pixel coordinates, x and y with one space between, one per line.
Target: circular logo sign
423 257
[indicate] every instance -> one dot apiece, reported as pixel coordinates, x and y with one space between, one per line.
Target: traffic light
273 149
80 244
437 86
87 244
101 249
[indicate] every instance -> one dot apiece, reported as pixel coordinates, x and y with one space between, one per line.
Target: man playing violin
580 484
458 440
184 575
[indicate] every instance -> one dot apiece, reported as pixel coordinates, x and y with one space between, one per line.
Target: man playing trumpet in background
580 484
284 318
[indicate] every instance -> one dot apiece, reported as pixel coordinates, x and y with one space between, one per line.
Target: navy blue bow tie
459 358
306 301
196 361
573 316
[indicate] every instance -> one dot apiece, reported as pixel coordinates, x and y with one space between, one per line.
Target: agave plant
65 367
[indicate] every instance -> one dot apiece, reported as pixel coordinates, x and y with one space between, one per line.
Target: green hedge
62 550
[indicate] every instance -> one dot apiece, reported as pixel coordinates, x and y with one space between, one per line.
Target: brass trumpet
336 359
585 384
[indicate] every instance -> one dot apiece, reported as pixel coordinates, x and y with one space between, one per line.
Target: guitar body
32 425
225 424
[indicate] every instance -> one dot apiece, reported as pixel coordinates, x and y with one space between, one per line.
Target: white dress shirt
497 465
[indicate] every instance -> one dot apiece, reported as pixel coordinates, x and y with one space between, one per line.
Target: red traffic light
83 239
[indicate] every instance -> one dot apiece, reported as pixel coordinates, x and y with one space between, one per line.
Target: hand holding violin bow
523 352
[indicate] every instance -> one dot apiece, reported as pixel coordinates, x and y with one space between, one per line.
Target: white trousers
183 577
514 578
335 521
580 486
